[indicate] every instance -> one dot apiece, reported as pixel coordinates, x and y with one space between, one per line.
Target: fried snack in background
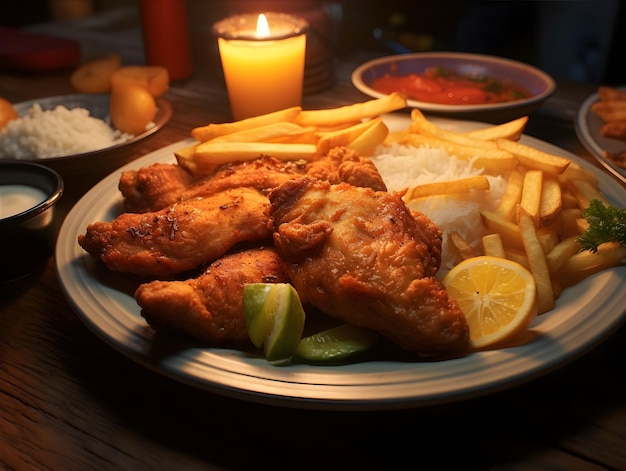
611 109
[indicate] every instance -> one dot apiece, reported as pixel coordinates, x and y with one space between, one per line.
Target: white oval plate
588 125
583 317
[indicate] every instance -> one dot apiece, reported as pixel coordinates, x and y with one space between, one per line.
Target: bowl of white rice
72 134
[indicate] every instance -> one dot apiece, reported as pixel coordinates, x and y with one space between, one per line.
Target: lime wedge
274 319
336 343
254 295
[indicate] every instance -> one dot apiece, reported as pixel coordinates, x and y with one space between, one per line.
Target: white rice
57 132
404 166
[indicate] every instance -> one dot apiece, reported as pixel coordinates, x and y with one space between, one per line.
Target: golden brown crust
363 257
210 307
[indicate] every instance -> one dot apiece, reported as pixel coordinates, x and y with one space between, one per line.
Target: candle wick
262 27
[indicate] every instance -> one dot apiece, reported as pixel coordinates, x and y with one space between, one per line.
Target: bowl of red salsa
460 85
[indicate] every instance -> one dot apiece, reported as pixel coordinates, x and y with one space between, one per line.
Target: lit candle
263 61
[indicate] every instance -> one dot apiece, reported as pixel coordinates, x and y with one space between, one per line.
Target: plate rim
583 131
164 113
248 378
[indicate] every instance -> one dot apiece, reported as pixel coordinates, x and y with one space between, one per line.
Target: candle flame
262 27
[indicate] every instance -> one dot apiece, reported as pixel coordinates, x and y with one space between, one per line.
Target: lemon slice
336 343
497 296
274 319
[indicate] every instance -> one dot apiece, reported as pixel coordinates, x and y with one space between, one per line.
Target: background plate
588 126
582 318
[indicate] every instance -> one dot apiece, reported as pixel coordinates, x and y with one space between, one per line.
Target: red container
166 36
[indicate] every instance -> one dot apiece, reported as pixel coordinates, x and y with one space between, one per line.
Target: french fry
461 245
567 198
186 158
535 158
213 130
217 153
370 138
343 137
462 185
586 263
491 159
584 192
574 170
509 231
492 245
517 255
548 238
397 137
264 133
561 252
536 260
531 194
551 202
511 130
308 135
569 222
356 112
507 206
421 125
581 225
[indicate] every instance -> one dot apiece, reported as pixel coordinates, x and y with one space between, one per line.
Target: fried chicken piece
158 186
210 307
346 165
364 257
154 187
182 237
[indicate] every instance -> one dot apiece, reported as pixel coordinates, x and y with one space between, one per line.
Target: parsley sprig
606 224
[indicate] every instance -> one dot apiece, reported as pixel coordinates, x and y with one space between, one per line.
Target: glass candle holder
262 57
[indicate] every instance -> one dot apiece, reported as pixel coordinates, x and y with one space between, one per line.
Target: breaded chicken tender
182 237
160 185
362 256
210 307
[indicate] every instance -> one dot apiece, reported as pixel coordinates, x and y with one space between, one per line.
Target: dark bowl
538 83
81 171
28 225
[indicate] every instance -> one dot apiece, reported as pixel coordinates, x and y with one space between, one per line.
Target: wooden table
70 402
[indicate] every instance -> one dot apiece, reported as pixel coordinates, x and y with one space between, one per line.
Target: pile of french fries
291 134
536 223
538 219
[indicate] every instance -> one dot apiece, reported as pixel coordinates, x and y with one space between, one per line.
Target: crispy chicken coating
160 185
182 237
210 307
153 187
364 257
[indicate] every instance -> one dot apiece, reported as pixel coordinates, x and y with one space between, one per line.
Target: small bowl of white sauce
28 226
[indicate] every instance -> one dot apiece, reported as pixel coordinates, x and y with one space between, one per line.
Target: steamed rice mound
405 166
55 133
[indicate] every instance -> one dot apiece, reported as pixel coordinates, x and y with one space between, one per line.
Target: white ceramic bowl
538 83
28 225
